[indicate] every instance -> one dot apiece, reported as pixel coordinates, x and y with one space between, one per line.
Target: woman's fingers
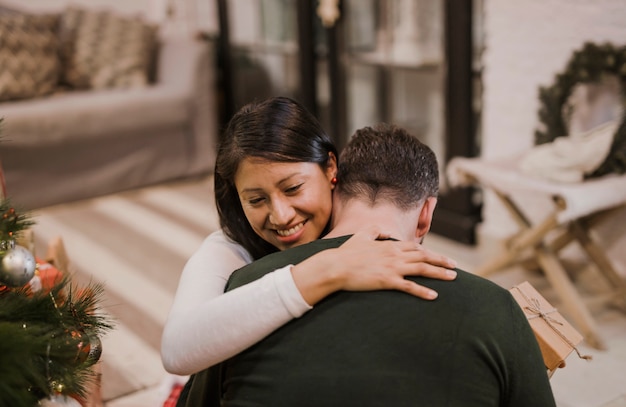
396 279
426 256
368 264
417 290
364 237
371 232
400 283
429 271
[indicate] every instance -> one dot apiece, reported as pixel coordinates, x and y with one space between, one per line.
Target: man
471 347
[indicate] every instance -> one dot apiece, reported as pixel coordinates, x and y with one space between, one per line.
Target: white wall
527 43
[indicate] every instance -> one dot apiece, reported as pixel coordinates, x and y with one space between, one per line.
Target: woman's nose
282 213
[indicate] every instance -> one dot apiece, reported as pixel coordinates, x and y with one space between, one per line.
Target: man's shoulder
475 280
468 288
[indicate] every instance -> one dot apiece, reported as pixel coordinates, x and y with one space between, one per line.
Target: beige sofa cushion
85 115
29 62
101 49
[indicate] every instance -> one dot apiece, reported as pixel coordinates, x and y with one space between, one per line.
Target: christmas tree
49 333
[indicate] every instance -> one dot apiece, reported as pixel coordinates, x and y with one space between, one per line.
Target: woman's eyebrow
289 177
281 181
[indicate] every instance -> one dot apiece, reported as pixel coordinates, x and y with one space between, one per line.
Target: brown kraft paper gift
557 338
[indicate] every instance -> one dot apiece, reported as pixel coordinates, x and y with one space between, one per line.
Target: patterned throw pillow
29 60
102 50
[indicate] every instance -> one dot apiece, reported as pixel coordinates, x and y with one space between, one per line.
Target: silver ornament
95 349
17 267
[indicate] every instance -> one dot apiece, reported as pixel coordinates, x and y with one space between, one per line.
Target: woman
206 325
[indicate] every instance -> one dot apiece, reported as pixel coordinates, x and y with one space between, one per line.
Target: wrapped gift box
557 338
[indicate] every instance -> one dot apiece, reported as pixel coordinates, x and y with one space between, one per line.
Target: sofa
76 142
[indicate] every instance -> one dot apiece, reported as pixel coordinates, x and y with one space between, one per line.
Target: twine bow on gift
534 306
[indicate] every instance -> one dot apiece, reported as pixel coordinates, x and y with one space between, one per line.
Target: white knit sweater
206 326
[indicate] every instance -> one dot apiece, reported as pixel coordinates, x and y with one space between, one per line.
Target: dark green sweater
471 347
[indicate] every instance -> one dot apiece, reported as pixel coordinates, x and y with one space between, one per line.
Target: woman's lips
291 231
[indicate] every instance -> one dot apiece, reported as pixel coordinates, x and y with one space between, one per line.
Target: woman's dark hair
278 129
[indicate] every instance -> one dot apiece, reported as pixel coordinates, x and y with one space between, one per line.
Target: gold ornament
57 387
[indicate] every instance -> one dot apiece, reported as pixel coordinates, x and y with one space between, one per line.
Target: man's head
387 174
385 163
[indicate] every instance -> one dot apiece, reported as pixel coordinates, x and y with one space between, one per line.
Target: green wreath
588 65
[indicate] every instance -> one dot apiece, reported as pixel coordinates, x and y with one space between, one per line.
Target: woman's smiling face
287 204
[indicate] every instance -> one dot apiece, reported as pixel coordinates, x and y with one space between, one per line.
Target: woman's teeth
291 231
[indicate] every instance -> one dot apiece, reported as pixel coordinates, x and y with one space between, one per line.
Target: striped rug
135 243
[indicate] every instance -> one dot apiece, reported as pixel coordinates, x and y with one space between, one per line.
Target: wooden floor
136 243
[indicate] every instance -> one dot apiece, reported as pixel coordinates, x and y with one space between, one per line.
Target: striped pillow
29 61
102 50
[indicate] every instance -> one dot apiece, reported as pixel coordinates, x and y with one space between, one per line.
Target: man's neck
354 215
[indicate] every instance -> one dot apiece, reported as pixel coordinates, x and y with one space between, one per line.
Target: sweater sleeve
206 326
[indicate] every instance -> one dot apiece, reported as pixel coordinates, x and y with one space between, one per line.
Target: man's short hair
386 163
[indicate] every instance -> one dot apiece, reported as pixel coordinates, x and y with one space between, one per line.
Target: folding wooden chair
576 208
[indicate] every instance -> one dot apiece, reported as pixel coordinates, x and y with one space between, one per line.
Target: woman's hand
364 263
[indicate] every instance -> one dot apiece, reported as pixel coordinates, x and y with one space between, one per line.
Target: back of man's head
385 163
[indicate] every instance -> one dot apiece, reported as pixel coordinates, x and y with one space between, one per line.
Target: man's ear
425 218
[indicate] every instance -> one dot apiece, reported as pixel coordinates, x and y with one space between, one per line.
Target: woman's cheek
254 217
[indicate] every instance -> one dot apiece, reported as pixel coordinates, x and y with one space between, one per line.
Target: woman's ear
331 167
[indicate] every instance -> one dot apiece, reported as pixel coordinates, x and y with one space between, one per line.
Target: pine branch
12 222
46 339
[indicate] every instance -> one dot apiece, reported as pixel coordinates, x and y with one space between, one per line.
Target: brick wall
527 42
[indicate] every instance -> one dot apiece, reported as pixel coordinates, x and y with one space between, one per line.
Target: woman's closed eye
255 201
260 199
294 189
